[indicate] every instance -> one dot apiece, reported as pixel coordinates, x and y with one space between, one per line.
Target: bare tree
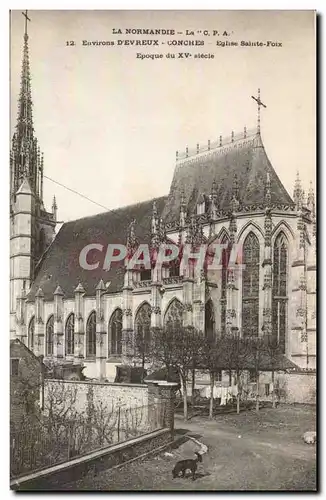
273 351
212 361
257 348
142 350
236 357
178 347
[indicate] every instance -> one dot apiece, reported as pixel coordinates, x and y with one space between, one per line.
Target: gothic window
69 334
280 276
250 286
91 336
224 279
143 325
115 333
175 268
209 320
174 314
49 336
31 332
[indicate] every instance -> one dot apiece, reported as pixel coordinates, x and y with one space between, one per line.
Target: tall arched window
91 336
69 334
250 286
224 279
209 320
31 332
280 293
143 326
115 333
174 314
49 336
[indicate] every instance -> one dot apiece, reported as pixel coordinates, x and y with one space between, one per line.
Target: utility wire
112 211
76 192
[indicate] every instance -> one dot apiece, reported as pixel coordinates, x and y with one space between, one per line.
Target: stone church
225 192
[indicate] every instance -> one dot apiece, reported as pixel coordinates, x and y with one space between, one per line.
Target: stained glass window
69 334
250 286
49 336
91 335
174 314
115 333
143 324
31 332
280 276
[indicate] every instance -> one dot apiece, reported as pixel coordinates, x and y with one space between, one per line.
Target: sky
109 123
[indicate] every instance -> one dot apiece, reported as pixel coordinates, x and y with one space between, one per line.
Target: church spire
311 199
297 192
268 198
25 158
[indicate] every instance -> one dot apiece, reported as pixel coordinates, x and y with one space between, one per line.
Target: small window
252 376
175 268
266 389
145 275
218 376
14 367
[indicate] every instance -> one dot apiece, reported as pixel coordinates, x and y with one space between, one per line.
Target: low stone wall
301 387
55 478
111 396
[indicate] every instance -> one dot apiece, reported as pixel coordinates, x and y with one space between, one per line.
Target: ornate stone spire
297 192
155 238
235 194
268 198
54 208
162 231
25 159
183 214
195 233
214 201
311 200
132 241
233 229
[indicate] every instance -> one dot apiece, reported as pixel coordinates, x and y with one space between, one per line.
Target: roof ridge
217 145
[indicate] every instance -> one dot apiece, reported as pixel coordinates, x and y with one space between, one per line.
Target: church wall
294 345
48 311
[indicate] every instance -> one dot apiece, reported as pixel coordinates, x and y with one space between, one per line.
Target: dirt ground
250 451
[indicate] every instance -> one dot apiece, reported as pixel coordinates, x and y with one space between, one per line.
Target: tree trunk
143 368
273 391
211 402
238 393
257 391
193 380
184 388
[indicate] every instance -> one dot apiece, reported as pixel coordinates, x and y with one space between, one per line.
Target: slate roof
194 177
60 264
245 157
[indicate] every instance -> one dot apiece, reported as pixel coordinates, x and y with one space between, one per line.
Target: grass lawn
250 451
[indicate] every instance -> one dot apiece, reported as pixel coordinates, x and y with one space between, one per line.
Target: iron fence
39 444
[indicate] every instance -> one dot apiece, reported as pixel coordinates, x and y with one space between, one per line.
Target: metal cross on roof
26 19
259 103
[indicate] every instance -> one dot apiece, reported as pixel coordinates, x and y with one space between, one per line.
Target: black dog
190 464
